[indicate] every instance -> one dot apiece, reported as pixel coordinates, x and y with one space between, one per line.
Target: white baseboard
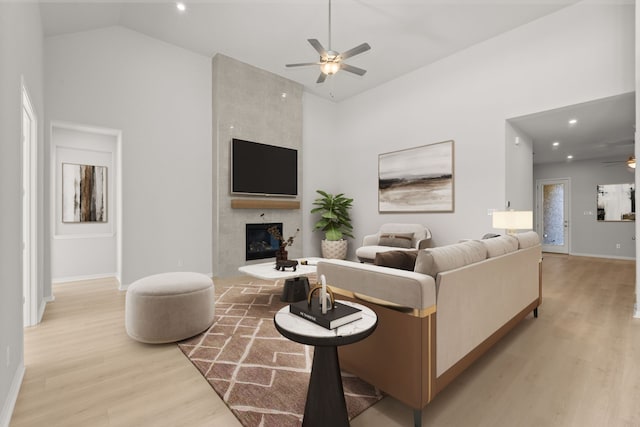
636 311
59 280
43 305
12 397
604 256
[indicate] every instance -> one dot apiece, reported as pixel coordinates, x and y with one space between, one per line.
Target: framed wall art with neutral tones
617 202
417 179
84 193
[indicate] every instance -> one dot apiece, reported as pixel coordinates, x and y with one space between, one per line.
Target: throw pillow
398 240
402 260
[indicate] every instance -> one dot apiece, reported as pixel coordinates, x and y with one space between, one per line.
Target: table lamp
513 220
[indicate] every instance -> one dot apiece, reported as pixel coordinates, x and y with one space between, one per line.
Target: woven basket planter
335 249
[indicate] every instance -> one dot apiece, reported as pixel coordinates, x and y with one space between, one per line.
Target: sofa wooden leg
535 312
417 418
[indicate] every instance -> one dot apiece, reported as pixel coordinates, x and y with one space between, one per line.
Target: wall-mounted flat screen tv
262 169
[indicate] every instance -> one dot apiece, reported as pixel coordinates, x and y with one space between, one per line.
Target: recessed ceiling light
555 143
573 121
181 6
570 156
283 94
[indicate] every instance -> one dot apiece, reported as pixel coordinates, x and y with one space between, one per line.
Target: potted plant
335 222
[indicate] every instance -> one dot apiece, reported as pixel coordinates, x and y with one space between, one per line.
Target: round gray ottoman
169 307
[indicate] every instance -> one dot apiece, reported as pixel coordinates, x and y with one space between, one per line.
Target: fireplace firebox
261 244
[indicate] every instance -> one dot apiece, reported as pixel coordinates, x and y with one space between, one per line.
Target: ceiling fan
631 162
330 60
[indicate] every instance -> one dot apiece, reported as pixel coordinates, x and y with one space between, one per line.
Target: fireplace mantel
264 204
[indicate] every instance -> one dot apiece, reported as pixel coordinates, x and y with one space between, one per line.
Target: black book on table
340 315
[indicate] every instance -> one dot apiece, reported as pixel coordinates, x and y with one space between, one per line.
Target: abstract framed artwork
84 193
418 179
616 202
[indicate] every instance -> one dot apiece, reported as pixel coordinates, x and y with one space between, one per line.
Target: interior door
552 214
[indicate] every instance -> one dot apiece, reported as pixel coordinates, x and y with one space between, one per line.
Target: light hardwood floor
578 364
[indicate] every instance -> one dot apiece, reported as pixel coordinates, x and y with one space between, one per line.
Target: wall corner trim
12 396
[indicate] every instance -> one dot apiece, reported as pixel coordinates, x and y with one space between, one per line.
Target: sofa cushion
403 260
527 239
500 245
397 240
444 258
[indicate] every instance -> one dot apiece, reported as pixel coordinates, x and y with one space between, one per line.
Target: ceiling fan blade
321 78
318 47
352 69
302 64
355 51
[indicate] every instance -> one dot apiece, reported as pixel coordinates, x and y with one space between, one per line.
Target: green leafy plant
334 215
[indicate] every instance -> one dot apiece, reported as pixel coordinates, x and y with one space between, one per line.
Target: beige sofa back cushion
444 258
501 245
527 239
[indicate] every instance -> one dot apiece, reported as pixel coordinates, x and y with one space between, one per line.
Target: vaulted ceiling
404 34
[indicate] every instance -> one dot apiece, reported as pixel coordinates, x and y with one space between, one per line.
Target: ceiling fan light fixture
631 162
329 68
332 61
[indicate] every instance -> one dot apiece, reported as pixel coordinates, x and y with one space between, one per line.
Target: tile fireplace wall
248 103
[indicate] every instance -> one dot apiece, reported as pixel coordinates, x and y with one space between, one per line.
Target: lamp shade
513 220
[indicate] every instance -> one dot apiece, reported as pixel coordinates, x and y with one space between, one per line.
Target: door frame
117 165
29 187
567 207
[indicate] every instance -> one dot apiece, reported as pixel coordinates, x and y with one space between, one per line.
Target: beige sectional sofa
435 321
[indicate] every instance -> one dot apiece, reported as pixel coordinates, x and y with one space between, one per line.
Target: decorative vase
281 254
335 249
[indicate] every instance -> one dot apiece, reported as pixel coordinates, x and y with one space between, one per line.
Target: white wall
519 170
589 236
84 250
160 97
20 55
321 164
580 53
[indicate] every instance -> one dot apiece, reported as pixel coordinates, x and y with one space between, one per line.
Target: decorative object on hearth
417 179
331 61
281 253
283 264
335 222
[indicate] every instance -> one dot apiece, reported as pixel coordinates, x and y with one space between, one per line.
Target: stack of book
340 315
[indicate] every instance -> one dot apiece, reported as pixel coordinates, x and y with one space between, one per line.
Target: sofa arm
370 240
424 243
404 288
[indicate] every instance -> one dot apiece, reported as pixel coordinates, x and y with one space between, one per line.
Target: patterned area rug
261 375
